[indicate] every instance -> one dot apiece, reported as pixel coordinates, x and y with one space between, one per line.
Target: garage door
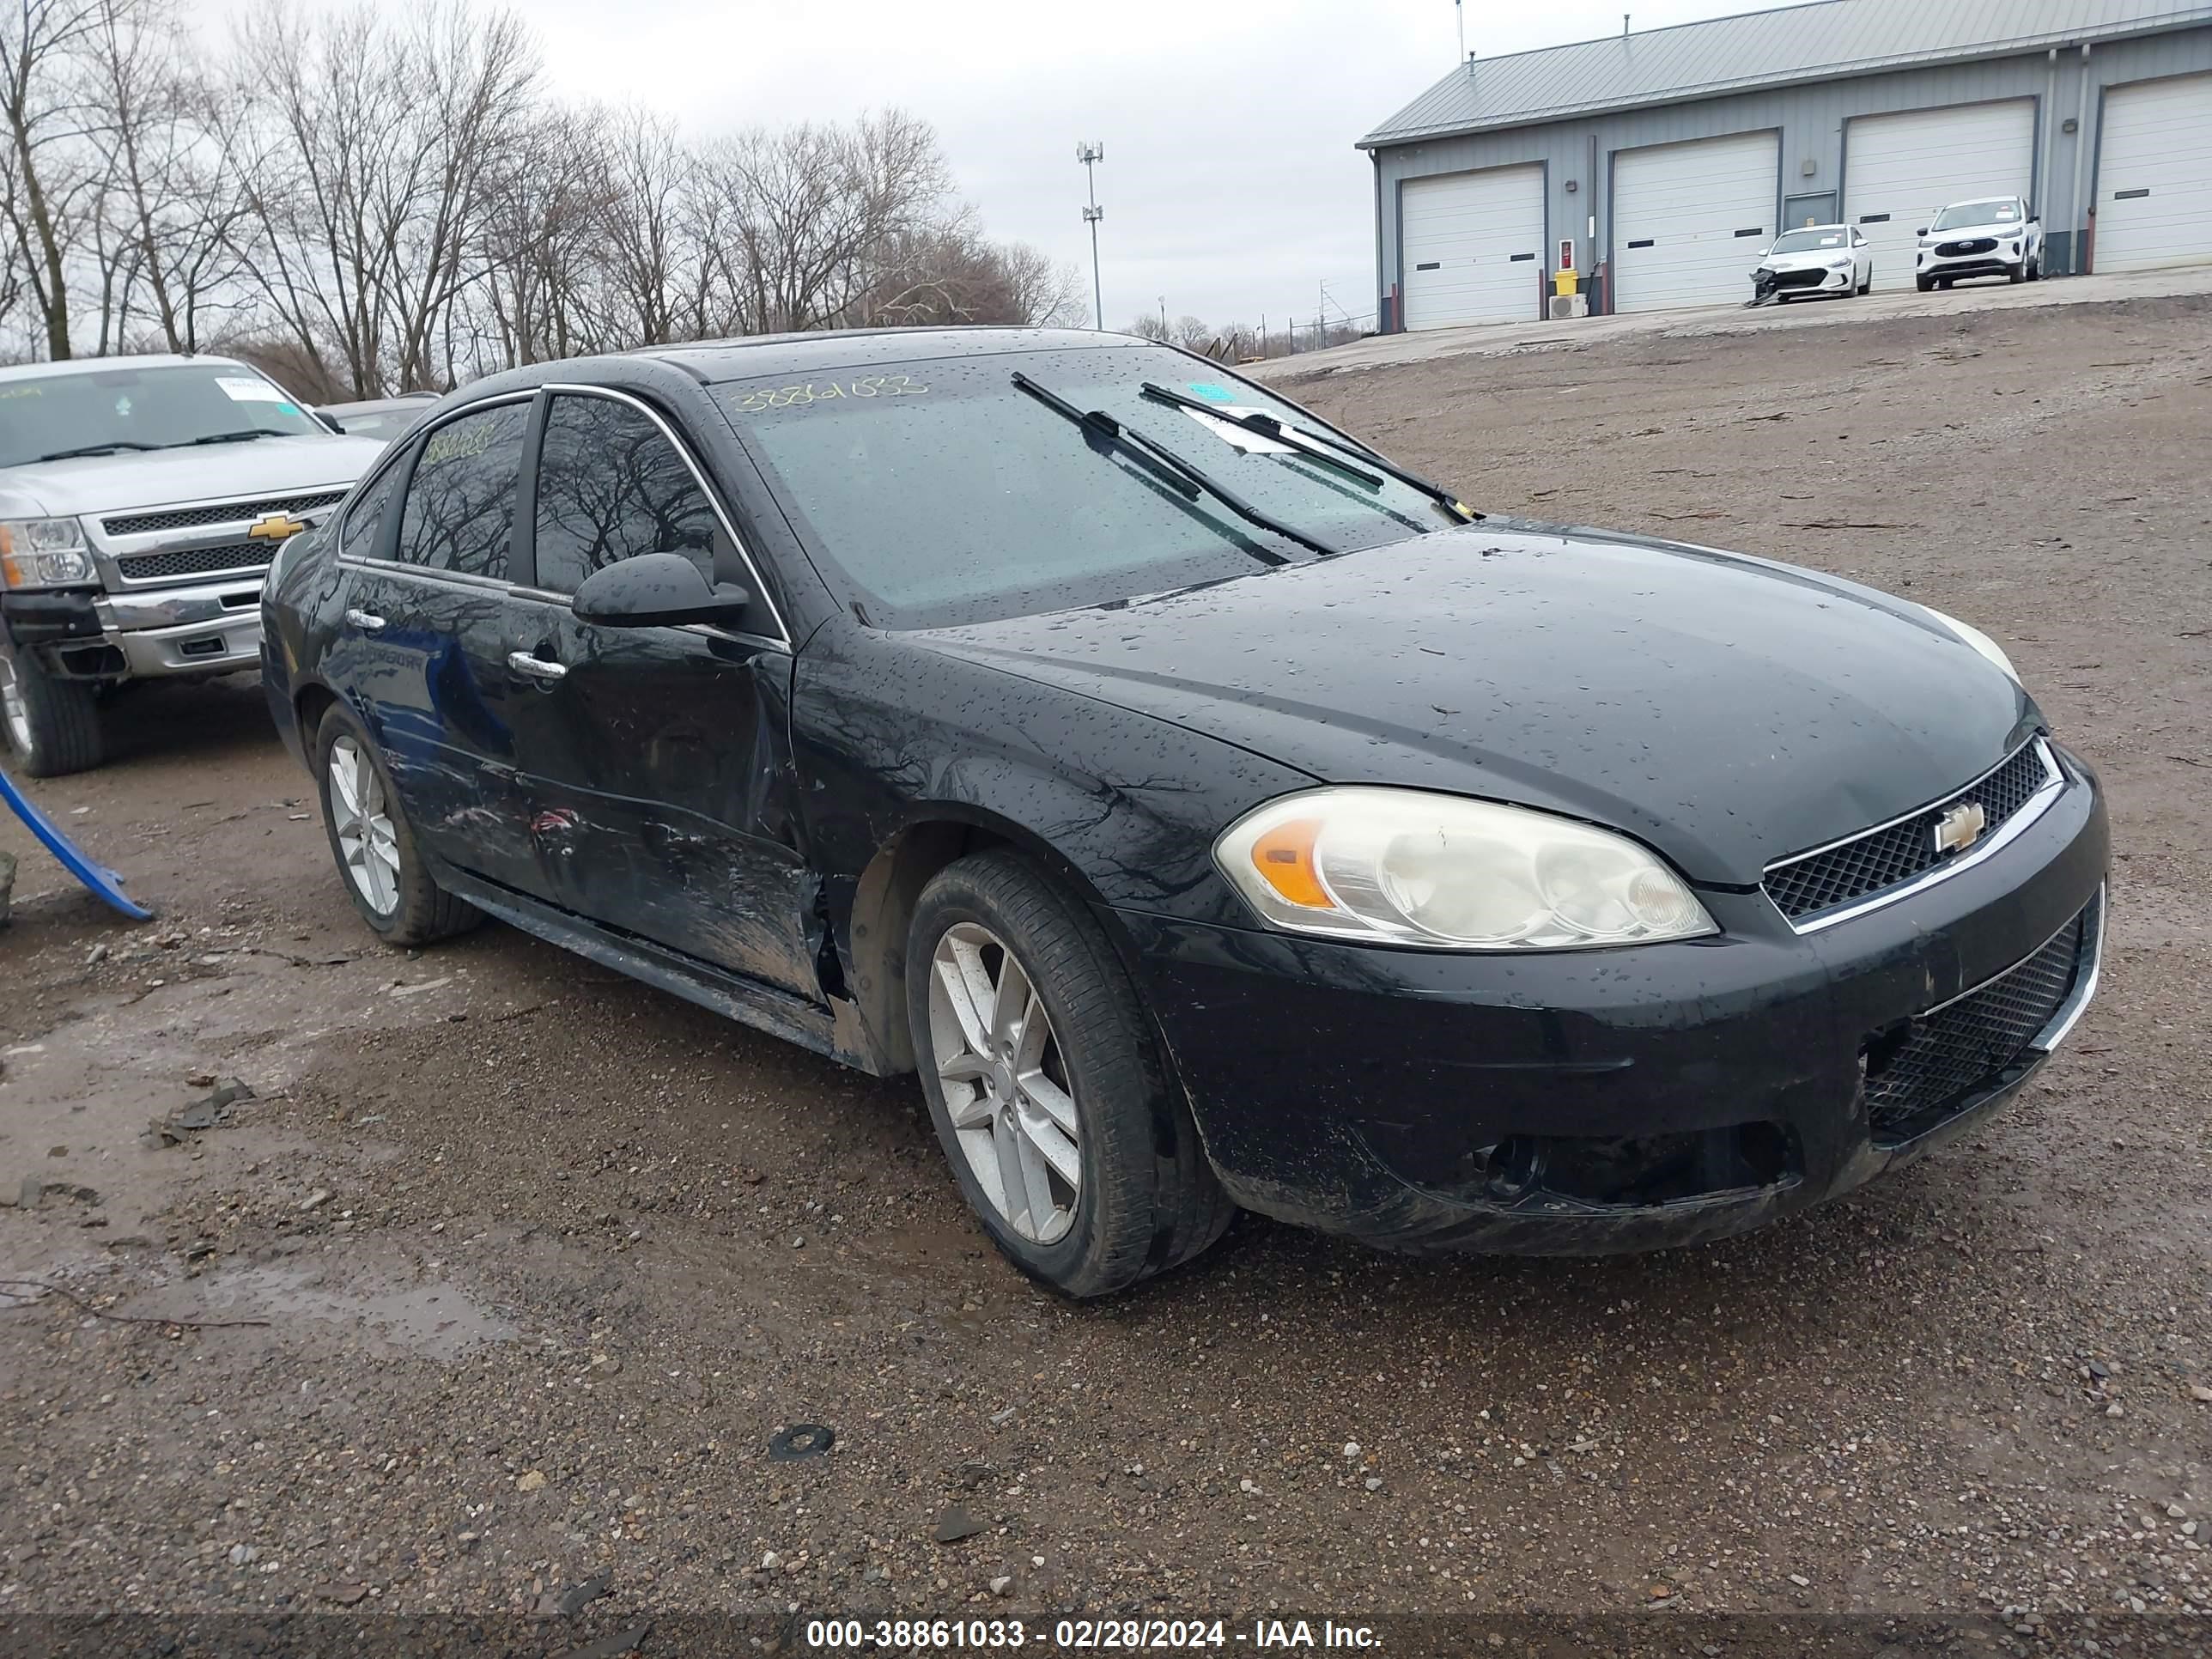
1474 246
1689 221
1900 169
2154 175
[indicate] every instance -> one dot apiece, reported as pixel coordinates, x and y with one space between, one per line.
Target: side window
460 501
357 535
611 486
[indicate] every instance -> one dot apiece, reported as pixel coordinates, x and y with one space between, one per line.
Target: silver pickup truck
141 501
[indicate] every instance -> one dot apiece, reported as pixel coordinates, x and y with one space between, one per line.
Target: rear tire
1024 1019
374 843
52 725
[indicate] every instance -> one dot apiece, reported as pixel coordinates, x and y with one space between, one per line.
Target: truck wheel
54 724
374 844
1064 1124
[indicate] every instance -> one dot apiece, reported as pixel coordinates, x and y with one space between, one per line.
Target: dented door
657 765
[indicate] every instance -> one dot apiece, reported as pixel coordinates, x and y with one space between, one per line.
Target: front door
658 758
426 620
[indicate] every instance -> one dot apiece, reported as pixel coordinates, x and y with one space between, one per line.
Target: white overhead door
1900 169
1690 221
2154 175
1474 246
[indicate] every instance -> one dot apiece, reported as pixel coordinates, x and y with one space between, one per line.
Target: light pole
1091 154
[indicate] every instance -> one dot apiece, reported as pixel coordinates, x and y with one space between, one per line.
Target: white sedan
1820 260
1996 236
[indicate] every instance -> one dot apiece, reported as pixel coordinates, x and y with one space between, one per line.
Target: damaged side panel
659 771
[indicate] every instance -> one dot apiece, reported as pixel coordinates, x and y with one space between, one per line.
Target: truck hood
135 479
1727 710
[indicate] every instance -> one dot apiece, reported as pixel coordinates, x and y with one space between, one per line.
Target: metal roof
1820 41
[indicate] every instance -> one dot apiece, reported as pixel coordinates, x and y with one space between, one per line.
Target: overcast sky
1231 184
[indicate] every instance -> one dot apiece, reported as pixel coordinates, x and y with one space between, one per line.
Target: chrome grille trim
2053 784
210 514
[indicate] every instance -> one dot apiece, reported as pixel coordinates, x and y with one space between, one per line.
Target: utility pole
1091 154
1164 316
1459 12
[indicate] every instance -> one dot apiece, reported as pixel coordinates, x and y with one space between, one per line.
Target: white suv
1994 236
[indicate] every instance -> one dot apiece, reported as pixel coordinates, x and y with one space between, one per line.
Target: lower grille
1800 278
1889 856
1941 1061
194 561
1959 249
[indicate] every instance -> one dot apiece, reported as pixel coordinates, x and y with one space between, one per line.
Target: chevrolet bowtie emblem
1961 827
276 527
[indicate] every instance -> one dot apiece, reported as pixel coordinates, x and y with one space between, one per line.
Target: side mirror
656 590
1923 231
327 421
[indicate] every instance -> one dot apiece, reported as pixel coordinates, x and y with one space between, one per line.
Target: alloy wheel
366 842
11 704
1005 1083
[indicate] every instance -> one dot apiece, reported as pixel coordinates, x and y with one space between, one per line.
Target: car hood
164 478
1727 710
1818 257
1967 233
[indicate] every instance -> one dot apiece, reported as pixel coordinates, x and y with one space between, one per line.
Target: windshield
1810 241
102 410
1967 214
943 493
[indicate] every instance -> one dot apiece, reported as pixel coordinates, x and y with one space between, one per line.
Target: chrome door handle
537 667
368 620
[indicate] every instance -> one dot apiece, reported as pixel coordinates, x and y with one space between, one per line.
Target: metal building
1660 164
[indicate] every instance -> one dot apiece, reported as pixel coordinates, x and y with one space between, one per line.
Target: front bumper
211 628
1813 280
1996 262
1595 1102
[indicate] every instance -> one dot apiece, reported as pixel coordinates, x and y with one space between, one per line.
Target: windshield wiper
1108 428
1099 421
107 448
246 436
1299 439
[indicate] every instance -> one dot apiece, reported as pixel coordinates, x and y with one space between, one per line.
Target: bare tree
42 43
1147 326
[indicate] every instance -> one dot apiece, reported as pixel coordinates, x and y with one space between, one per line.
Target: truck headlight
43 553
1404 867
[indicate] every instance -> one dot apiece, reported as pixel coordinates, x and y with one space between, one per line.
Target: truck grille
1961 1051
1815 881
199 518
195 561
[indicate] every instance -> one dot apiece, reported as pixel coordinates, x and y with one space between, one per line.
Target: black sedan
1213 812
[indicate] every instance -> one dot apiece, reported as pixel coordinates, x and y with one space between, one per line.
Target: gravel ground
537 1261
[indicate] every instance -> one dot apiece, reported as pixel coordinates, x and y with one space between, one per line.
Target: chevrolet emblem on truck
276 527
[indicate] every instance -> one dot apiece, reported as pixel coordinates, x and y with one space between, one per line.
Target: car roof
1792 230
714 361
379 405
94 365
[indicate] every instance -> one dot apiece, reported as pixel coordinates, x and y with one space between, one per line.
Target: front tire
1065 1127
2018 274
52 725
1867 286
374 843
1925 285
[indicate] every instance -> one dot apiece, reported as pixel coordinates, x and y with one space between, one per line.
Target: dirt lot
546 1258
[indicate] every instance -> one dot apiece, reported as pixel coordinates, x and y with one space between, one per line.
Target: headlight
1404 867
1974 636
43 553
1843 263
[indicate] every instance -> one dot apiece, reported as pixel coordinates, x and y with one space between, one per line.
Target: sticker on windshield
247 389
1237 437
1211 392
814 392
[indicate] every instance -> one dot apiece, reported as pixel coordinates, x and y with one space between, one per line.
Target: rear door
427 577
658 757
